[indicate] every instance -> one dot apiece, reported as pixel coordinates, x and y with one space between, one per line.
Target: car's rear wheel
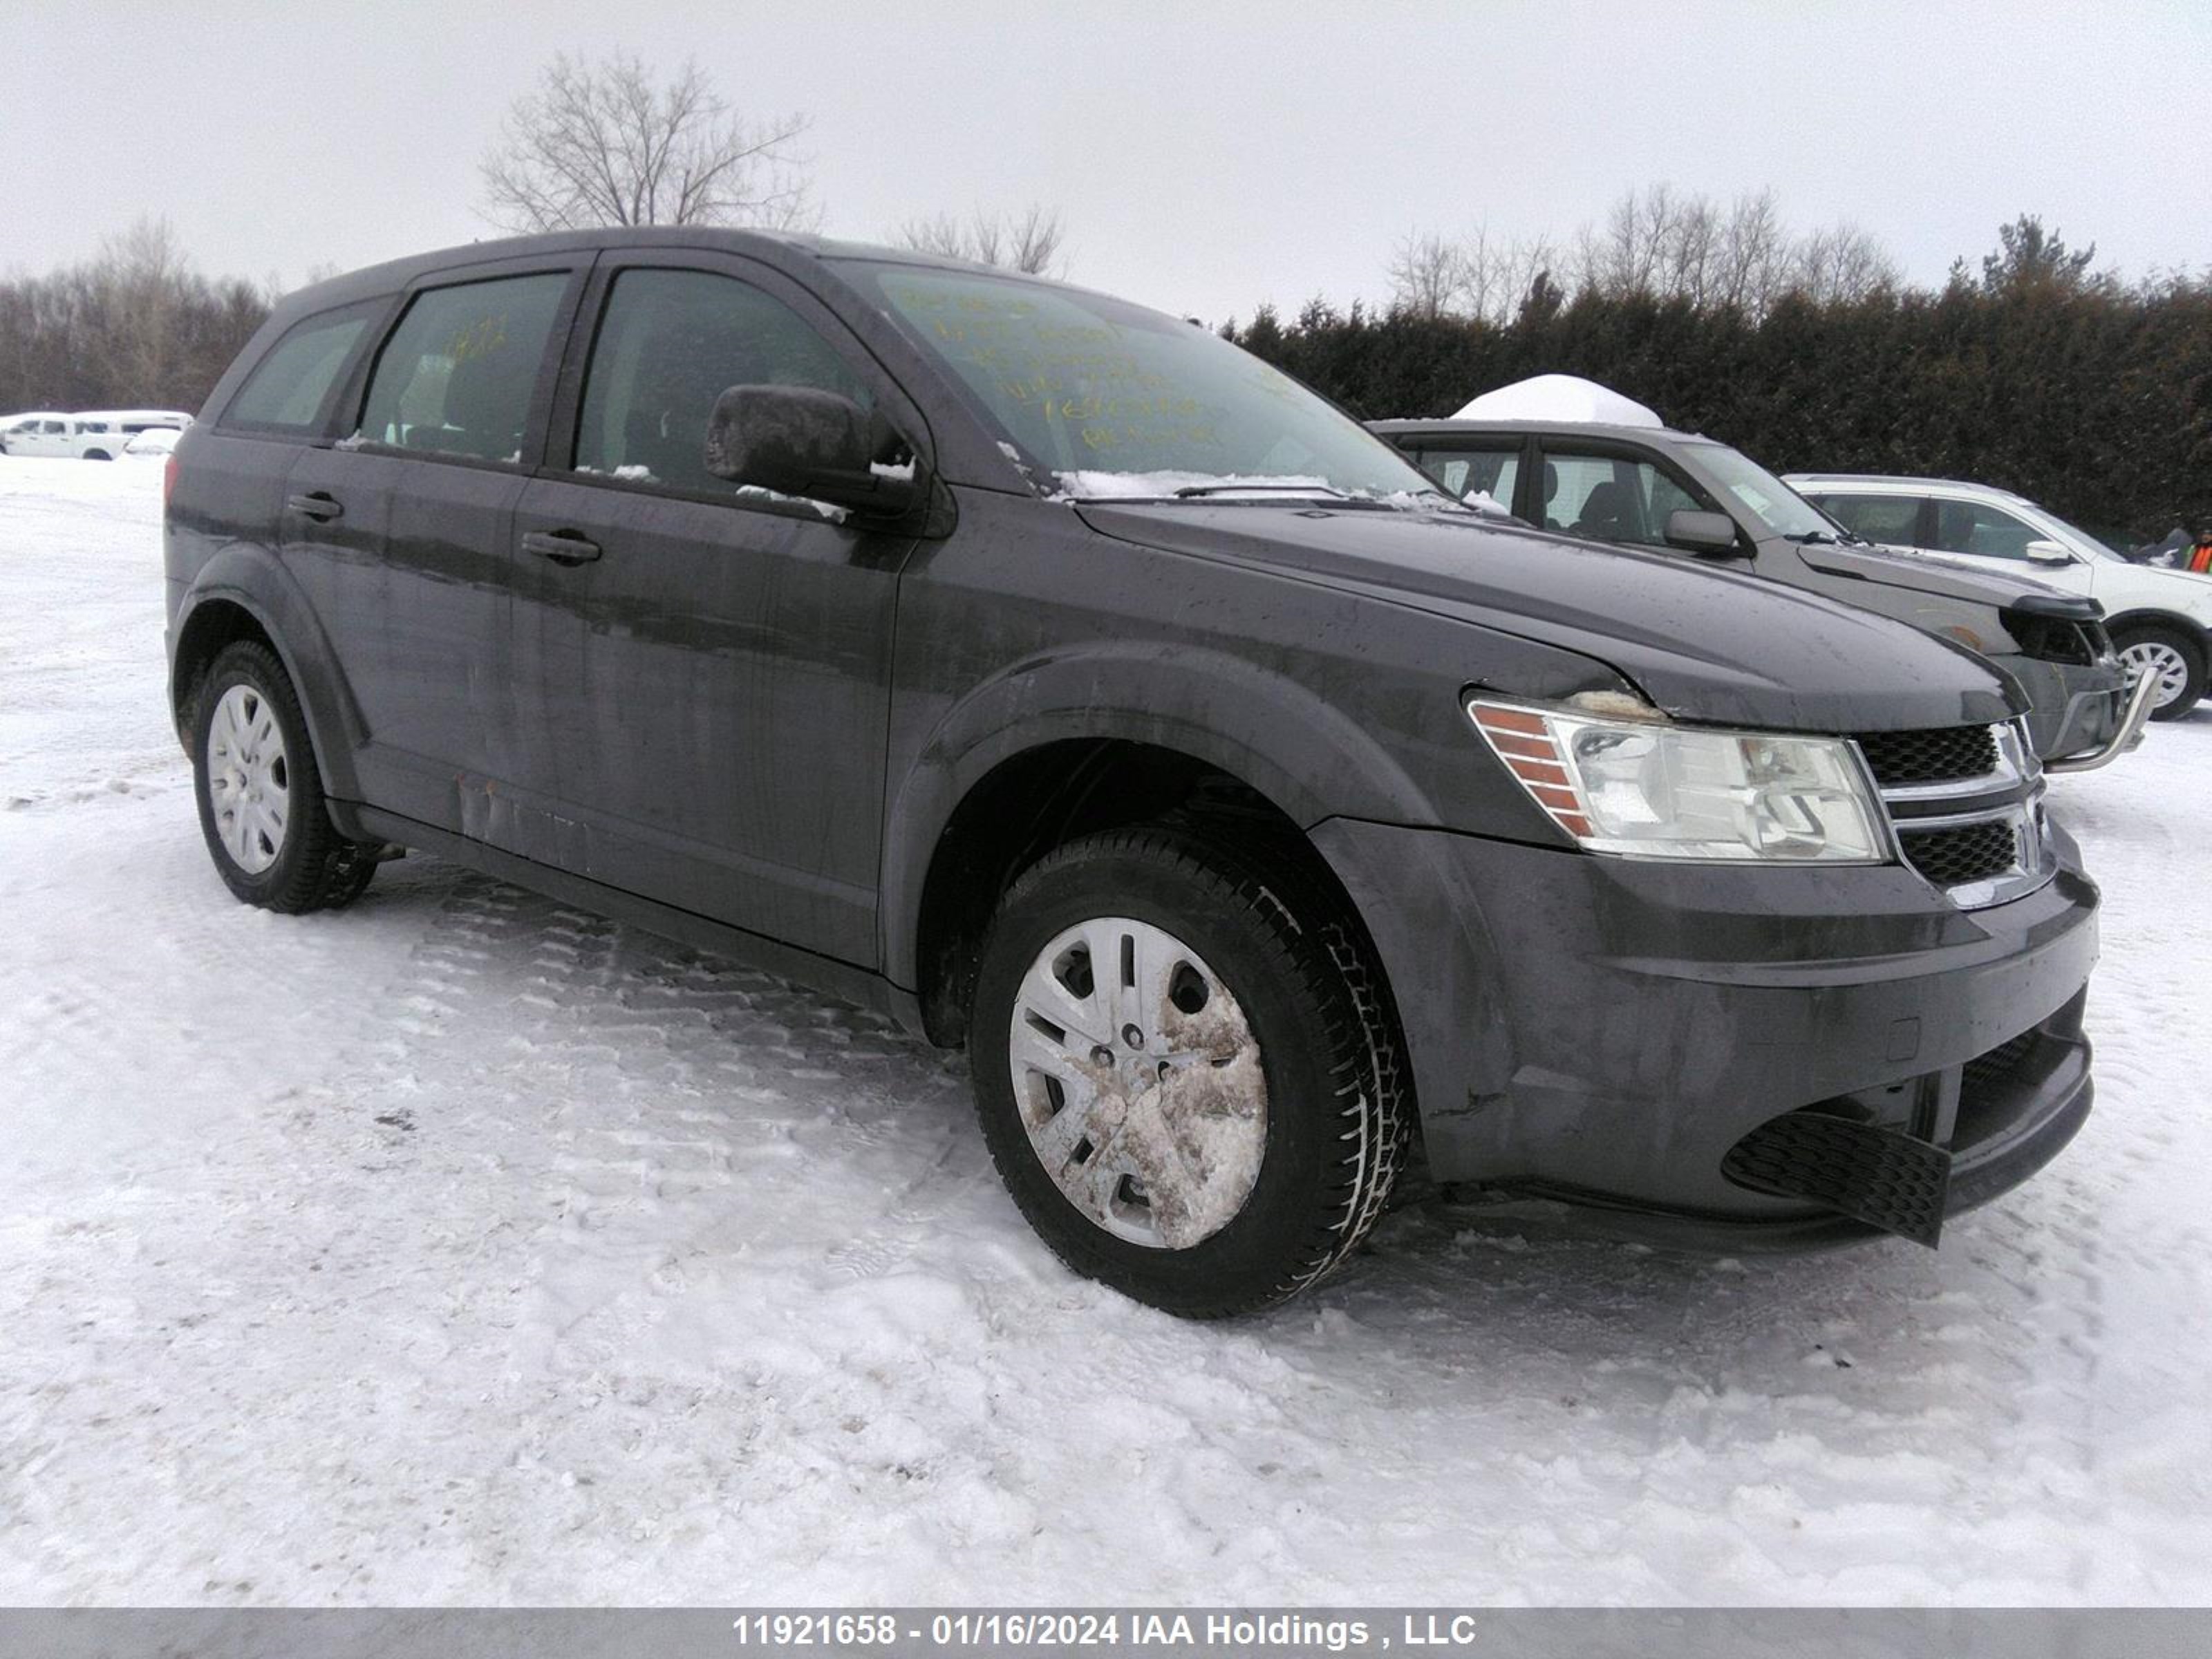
261 803
1184 1071
2170 657
98 455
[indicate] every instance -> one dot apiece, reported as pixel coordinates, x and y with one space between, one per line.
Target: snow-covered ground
464 1247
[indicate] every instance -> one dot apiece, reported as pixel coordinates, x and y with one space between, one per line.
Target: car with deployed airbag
1631 479
2159 620
1049 674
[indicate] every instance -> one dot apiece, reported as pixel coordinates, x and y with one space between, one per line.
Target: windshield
1772 502
2082 538
1101 398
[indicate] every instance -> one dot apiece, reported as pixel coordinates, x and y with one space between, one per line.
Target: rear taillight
168 480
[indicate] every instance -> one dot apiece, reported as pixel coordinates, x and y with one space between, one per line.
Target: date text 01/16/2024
1240 1632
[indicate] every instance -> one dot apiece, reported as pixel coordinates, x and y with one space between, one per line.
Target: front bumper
2075 709
1607 1031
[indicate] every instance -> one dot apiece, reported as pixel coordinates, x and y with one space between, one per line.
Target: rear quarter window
288 388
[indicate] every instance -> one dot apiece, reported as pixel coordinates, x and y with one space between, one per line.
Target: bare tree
138 287
1034 241
1657 242
601 143
1428 274
1753 255
1842 262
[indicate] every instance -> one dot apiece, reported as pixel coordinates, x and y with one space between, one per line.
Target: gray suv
1051 675
1654 486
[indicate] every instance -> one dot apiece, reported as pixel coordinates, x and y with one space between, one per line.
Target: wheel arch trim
2152 617
251 579
1276 737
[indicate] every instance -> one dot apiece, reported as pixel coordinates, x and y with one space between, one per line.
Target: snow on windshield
1085 485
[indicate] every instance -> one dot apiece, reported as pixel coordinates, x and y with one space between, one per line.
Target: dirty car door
400 530
712 662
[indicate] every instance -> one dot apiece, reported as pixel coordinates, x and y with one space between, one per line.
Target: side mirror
2047 553
1700 532
822 445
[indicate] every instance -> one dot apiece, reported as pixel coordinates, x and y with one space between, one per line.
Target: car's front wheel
2170 657
1184 1071
260 795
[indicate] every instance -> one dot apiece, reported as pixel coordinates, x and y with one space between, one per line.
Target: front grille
1995 1066
1963 853
1883 1177
1940 756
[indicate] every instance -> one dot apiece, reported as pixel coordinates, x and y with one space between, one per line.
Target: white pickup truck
90 434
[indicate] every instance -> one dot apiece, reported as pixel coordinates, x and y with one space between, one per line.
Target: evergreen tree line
135 328
2034 374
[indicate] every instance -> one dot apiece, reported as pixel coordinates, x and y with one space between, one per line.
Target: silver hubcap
1139 1081
2164 664
249 779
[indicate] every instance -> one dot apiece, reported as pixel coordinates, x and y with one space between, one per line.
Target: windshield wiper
1191 491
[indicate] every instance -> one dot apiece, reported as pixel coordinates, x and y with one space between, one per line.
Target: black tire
1337 1116
315 868
98 455
2191 651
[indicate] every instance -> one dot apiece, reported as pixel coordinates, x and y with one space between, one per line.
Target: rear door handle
322 506
561 546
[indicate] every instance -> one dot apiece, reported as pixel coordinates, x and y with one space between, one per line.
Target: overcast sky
1206 157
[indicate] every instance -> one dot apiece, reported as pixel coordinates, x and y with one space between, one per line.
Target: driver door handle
320 506
561 546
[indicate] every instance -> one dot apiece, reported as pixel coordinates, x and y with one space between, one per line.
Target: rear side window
1892 519
1464 472
287 388
457 376
672 341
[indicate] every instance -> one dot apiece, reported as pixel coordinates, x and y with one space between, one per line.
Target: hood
1701 642
1931 573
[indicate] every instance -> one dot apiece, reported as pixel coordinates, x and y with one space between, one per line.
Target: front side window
457 375
1098 398
1764 496
671 343
1609 498
1985 532
1893 520
1465 473
286 390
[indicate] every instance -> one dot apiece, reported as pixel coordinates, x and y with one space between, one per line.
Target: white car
155 443
104 433
2161 620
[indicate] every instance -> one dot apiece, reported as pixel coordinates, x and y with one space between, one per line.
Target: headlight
1647 789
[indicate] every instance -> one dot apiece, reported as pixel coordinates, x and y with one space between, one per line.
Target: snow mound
1558 397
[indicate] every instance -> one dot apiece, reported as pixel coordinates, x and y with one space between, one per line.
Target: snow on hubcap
1139 1080
2163 662
249 780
